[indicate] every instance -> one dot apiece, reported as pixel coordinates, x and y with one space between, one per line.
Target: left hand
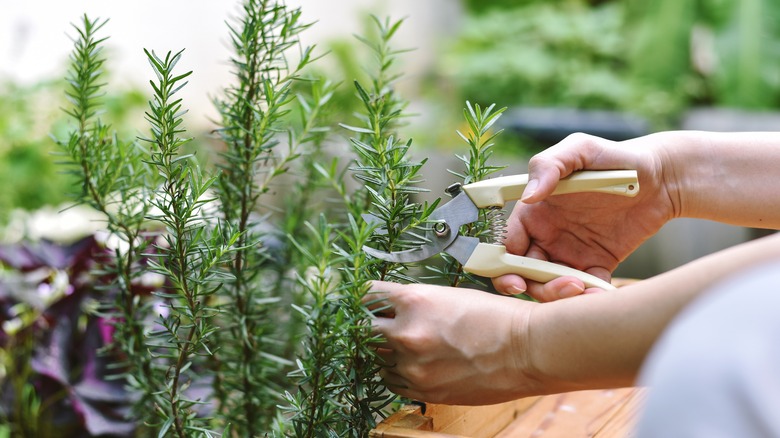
452 345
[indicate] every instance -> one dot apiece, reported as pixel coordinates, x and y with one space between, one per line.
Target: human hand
591 232
452 345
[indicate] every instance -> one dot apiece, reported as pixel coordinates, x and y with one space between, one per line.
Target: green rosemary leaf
356 129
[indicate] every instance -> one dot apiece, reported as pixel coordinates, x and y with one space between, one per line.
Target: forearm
727 177
600 340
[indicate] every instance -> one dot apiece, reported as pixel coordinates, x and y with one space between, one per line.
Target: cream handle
490 260
496 192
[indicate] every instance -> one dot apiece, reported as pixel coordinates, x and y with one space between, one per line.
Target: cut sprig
479 138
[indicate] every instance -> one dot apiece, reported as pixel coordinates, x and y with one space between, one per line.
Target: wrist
543 362
525 350
674 152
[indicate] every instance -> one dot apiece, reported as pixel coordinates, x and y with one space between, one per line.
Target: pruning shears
491 259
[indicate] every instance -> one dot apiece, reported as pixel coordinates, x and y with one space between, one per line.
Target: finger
384 290
536 252
543 176
373 296
399 385
379 306
382 329
556 289
510 284
377 340
379 300
513 284
393 380
516 239
545 169
601 273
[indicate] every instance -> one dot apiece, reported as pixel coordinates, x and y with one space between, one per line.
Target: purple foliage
27 257
70 370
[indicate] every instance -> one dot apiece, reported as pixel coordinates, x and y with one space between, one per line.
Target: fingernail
530 189
570 290
516 290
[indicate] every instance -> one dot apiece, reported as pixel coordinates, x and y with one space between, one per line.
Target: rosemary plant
224 285
339 392
188 256
255 113
312 409
391 180
383 163
480 140
114 180
305 202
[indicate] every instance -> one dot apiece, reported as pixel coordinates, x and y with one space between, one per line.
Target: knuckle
578 138
418 375
540 161
415 341
413 294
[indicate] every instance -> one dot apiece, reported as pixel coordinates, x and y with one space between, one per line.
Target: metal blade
374 221
459 211
462 248
408 256
446 222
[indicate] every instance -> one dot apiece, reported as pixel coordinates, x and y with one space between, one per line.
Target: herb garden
203 308
225 291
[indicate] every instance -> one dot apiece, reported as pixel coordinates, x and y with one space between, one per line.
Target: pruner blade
445 223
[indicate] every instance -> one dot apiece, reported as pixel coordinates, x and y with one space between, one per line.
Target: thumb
575 152
543 176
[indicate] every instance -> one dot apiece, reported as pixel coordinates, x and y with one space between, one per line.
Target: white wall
34 45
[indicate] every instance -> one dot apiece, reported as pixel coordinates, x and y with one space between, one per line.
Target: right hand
591 232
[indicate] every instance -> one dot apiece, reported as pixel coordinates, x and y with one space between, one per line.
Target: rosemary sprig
255 114
188 256
312 410
115 180
383 164
390 179
339 392
480 141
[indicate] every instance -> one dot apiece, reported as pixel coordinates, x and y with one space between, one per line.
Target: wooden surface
600 414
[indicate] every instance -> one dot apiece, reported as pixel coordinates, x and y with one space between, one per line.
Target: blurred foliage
731 47
651 58
655 59
541 54
476 6
27 170
29 116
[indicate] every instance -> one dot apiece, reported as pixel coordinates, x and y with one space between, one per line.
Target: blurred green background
654 60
